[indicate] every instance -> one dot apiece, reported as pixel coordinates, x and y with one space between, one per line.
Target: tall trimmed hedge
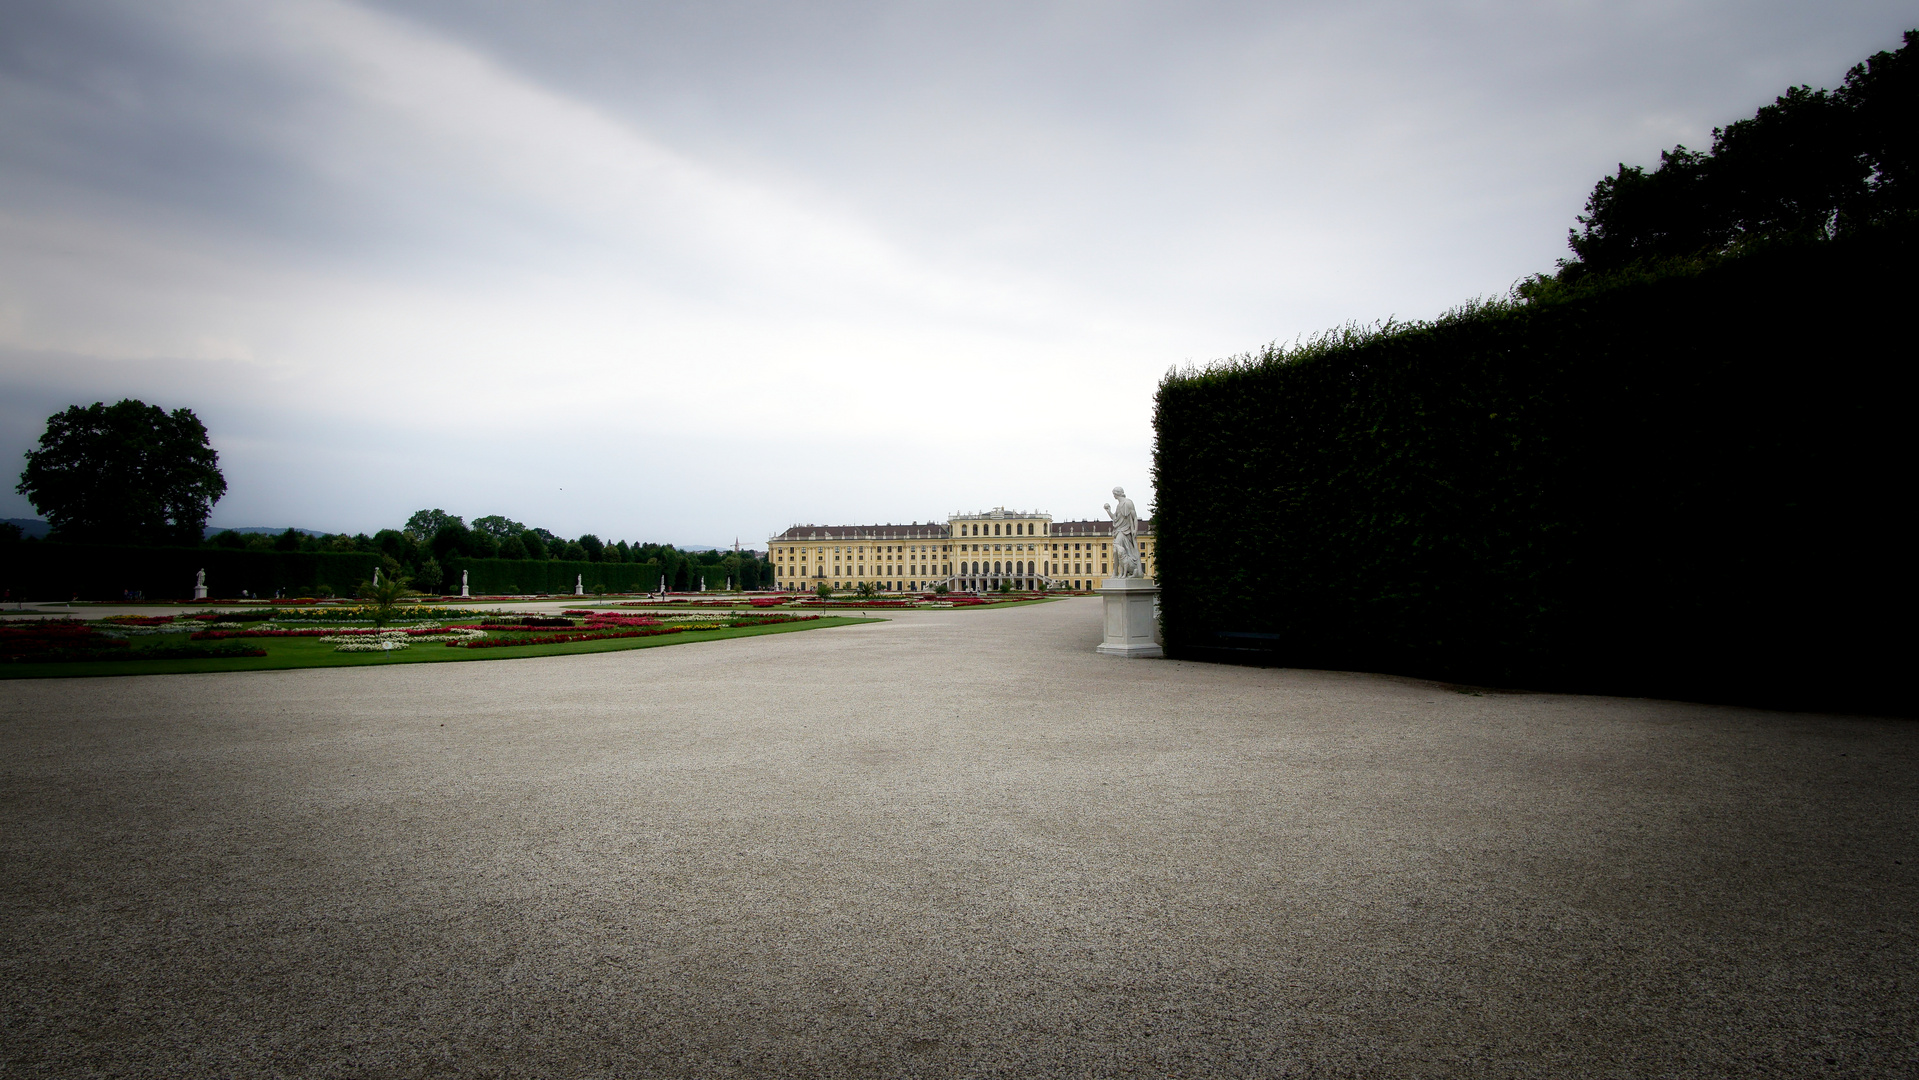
49 571
1686 486
52 571
517 577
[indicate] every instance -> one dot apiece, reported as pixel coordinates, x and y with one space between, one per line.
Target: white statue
1125 536
376 577
579 584
200 585
463 591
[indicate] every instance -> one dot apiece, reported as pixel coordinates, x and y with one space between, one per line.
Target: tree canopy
498 527
424 525
124 473
1814 163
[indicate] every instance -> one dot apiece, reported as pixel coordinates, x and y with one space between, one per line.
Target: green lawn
284 653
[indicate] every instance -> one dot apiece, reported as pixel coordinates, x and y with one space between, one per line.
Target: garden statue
1125 537
463 592
1128 599
200 585
376 577
579 584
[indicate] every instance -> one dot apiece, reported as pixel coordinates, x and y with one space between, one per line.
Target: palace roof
1094 528
798 533
932 531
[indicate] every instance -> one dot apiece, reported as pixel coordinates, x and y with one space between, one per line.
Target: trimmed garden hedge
1688 486
53 571
50 571
522 576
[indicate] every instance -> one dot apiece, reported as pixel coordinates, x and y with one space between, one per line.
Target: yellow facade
969 553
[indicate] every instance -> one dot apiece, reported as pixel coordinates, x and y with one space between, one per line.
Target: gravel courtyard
951 844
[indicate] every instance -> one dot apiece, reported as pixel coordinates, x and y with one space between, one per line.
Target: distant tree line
134 474
432 541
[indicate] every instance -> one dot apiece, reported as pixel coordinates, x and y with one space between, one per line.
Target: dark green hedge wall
44 571
1690 486
516 577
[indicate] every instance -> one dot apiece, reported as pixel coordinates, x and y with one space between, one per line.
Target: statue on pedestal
1125 537
200 585
579 584
463 591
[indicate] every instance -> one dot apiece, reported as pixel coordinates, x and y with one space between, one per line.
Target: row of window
984 528
780 554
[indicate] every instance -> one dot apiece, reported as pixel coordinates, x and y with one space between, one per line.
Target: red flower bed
561 639
592 634
138 620
47 639
73 641
598 620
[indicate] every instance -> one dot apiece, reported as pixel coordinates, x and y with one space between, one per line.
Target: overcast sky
689 271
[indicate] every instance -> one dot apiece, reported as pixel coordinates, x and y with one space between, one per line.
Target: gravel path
952 844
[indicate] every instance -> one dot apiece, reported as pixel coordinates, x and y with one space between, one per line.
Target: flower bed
61 641
596 620
589 633
54 639
561 639
328 633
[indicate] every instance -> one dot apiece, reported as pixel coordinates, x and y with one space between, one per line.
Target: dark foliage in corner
1814 164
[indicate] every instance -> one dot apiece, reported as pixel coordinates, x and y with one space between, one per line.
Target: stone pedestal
199 592
1130 626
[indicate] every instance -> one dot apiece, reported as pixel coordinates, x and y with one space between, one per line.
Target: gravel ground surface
953 844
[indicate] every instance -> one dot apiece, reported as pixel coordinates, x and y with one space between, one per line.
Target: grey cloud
1037 206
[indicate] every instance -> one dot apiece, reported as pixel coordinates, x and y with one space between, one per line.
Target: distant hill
215 530
32 528
35 528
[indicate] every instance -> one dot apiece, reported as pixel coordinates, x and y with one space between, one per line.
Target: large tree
125 473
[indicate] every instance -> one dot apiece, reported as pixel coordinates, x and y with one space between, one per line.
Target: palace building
970 553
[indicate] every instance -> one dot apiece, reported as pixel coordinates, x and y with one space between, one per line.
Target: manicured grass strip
286 653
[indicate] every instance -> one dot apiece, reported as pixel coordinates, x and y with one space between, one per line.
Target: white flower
383 643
